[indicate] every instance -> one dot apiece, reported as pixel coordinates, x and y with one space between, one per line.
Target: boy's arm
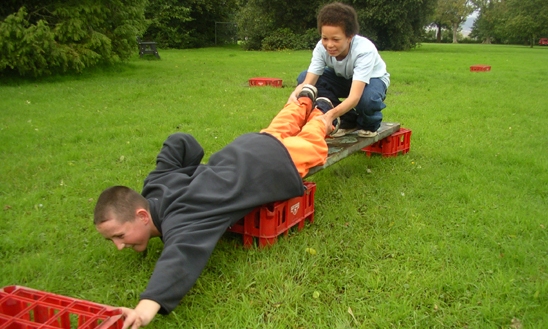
141 316
356 91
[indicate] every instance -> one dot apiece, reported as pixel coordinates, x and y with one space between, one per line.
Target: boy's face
133 234
335 41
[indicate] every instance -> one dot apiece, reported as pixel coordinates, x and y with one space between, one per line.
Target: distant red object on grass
480 68
257 82
543 42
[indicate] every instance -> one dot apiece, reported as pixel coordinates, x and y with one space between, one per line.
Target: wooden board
341 147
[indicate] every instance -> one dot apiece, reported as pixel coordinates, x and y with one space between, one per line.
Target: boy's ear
142 214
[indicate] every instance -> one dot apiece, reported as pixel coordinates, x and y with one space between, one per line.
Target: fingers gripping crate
257 82
25 308
392 145
267 222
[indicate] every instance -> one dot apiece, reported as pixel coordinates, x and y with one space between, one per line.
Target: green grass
451 235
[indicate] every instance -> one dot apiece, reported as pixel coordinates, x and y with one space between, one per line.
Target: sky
467 25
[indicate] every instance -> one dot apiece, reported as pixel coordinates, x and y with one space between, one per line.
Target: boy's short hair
120 201
339 14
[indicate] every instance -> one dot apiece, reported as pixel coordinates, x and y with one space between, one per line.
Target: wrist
335 112
147 309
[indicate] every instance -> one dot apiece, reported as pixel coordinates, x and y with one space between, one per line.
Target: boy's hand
141 315
327 121
293 96
132 319
292 99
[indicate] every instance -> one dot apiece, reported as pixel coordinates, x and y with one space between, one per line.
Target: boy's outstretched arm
141 316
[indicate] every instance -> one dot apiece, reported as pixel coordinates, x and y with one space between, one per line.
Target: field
451 235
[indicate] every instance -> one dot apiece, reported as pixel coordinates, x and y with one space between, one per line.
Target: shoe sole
346 132
370 134
325 99
307 90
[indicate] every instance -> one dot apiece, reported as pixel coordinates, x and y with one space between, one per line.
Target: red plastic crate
25 308
479 68
269 221
392 145
257 82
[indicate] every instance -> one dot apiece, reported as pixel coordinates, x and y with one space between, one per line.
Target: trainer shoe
343 132
308 91
324 104
367 133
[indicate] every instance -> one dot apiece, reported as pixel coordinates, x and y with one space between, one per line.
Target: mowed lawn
451 235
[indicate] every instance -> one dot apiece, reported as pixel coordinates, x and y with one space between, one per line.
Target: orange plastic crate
267 222
25 308
392 145
480 68
257 82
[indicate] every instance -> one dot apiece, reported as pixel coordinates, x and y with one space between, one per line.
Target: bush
286 39
279 39
25 47
70 38
308 39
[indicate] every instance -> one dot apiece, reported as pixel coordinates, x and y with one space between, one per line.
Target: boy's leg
371 104
334 87
330 85
290 120
179 150
308 148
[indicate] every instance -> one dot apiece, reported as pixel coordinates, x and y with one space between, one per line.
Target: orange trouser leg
308 149
303 137
290 120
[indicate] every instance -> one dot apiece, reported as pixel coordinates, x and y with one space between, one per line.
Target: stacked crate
267 222
25 308
392 145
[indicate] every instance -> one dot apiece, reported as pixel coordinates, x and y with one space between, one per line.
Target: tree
187 23
527 19
258 19
489 24
45 37
394 25
452 13
166 19
439 25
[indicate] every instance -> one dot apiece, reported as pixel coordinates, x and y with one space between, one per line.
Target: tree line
511 21
498 21
40 37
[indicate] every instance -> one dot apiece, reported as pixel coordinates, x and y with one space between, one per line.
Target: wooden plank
341 147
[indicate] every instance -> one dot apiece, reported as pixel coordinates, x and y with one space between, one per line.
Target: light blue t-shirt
362 63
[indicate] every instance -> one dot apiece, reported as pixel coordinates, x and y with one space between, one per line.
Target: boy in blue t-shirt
347 65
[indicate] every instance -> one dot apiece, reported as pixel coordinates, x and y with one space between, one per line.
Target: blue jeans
367 114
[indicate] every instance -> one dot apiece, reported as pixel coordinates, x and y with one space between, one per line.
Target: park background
452 234
42 37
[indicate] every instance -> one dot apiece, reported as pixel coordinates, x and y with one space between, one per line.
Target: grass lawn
451 235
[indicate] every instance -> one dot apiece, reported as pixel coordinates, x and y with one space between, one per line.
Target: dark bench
147 47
